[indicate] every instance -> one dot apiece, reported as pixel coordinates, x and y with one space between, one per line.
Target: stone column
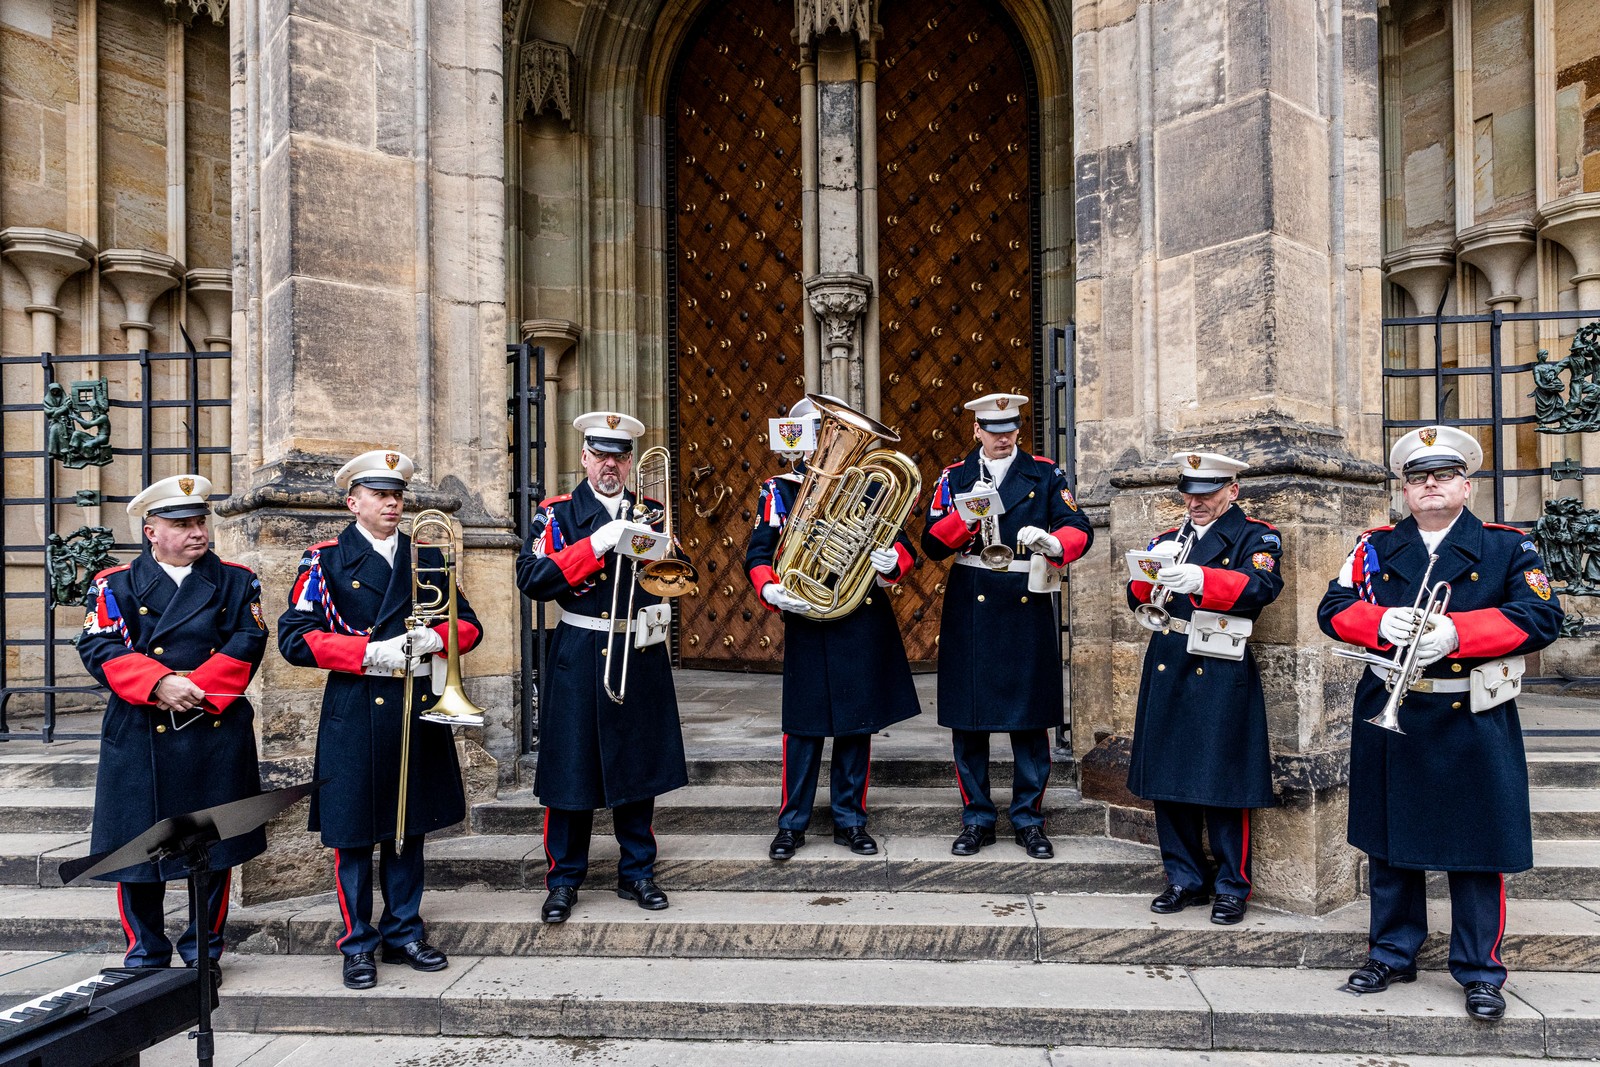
45 259
369 312
557 337
1423 271
140 277
1229 299
838 194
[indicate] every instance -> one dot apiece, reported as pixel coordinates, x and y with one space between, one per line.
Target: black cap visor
378 481
611 446
1201 486
1005 425
1435 462
186 510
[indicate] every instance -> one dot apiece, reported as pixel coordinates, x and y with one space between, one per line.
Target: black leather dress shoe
971 838
1374 977
645 892
558 905
1485 1001
1228 910
216 973
786 844
1175 898
359 971
856 837
418 955
1035 844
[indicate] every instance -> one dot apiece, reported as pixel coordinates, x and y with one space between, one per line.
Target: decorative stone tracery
815 18
545 80
186 11
838 301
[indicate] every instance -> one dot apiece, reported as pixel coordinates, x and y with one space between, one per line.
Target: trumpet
669 577
1403 672
1154 615
431 605
994 555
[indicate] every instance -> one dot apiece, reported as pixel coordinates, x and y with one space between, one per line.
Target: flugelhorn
855 497
669 577
432 604
1153 615
1402 673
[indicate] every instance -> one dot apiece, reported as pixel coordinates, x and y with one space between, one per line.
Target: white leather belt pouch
650 626
1218 636
1043 578
1496 682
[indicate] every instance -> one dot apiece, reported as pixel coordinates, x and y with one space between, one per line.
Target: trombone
1153 615
431 605
666 578
1403 673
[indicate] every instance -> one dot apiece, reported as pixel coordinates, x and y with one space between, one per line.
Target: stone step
1563 814
753 809
33 859
739 862
61 765
1564 770
48 810
1063 928
915 772
999 1003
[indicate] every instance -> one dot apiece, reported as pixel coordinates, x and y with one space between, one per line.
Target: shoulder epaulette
323 544
1046 460
1174 529
1263 522
547 501
1503 526
241 566
112 570
956 464
1375 529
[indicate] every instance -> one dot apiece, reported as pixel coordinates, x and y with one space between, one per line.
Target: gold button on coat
980 598
1199 670
1024 600
1474 576
1456 667
378 701
1456 705
143 610
869 600
161 729
1161 666
158 650
215 723
354 584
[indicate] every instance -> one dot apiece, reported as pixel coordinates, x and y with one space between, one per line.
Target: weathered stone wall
1577 42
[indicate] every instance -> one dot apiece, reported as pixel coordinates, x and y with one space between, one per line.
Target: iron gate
527 490
1059 432
29 607
1480 381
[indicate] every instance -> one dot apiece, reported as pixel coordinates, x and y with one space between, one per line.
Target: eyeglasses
1442 477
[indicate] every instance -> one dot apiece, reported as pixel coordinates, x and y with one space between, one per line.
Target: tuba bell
854 499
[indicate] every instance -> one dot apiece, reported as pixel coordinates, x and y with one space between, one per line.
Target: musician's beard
608 484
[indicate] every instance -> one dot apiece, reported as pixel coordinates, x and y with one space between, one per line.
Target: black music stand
188 839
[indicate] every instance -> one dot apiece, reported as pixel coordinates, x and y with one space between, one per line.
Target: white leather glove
885 561
1182 578
605 539
783 600
1438 641
1170 549
389 655
1398 626
1034 539
425 642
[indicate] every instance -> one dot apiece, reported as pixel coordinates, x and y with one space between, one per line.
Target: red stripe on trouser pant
344 905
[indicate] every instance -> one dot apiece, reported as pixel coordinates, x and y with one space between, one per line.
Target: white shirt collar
177 574
384 547
1199 530
997 467
611 503
1433 539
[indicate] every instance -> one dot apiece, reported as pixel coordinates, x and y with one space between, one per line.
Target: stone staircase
909 956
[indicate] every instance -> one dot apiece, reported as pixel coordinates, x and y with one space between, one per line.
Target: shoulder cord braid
773 511
111 615
317 590
1366 565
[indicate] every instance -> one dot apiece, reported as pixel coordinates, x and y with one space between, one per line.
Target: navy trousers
1030 754
566 843
1399 923
142 908
1178 828
852 774
399 880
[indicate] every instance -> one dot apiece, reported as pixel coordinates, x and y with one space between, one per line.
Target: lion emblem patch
613 421
1066 498
1263 561
1429 435
641 543
392 459
1150 568
186 486
979 507
791 432
1194 463
1539 582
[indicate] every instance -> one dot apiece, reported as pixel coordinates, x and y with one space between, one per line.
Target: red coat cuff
952 530
338 652
133 677
577 561
467 636
1485 633
1358 624
904 566
1222 589
1073 543
762 576
1141 591
223 678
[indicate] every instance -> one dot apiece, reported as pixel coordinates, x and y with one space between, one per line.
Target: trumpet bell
668 577
996 557
1153 618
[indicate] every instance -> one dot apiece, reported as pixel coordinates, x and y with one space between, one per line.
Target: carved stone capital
545 79
45 258
839 300
185 11
211 289
555 336
1498 249
1573 222
817 18
1423 271
139 276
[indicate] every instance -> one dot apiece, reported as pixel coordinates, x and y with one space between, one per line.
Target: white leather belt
1016 566
589 622
1428 685
422 670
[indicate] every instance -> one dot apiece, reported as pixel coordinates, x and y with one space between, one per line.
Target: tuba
431 605
855 497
